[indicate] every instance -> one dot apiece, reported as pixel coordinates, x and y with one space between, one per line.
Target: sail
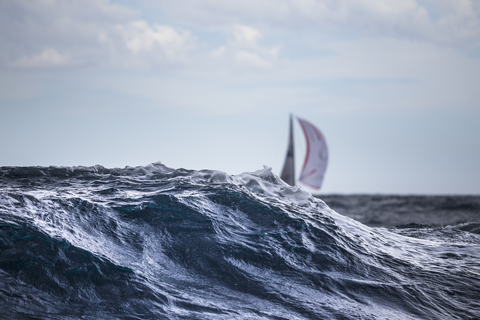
288 172
316 157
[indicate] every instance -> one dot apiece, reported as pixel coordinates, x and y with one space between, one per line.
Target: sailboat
316 157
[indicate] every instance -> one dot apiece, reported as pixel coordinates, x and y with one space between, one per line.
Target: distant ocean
398 210
153 242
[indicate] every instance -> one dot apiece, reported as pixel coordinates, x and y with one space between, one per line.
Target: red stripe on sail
310 185
308 174
308 145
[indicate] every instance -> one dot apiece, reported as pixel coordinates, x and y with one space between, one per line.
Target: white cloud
246 36
161 42
243 49
59 33
49 57
441 21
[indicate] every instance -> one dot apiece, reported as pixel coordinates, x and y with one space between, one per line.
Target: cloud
158 43
59 33
243 49
49 57
62 34
441 21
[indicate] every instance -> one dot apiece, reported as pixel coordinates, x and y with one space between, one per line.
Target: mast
288 172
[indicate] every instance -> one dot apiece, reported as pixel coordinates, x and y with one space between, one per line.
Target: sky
394 85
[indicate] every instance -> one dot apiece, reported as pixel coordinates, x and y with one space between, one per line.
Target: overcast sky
394 85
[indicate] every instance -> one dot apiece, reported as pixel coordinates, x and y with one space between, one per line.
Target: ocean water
398 210
152 242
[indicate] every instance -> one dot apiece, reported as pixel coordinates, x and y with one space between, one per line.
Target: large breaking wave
153 242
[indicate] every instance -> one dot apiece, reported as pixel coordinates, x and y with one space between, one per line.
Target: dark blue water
395 210
156 243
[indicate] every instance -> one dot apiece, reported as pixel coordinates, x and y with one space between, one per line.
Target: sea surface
153 242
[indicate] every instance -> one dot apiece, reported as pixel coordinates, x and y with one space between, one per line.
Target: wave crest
156 242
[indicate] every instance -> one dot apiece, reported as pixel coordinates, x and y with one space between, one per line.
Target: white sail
316 157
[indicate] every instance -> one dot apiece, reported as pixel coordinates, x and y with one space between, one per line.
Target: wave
155 242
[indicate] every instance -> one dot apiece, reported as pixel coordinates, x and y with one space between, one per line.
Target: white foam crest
213 177
266 183
149 170
263 184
